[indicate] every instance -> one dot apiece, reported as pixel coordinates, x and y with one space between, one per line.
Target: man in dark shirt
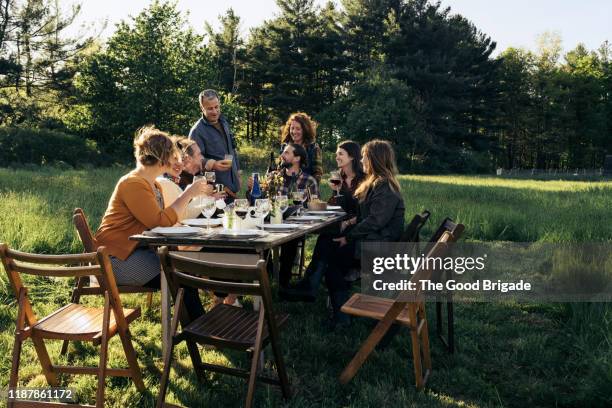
213 135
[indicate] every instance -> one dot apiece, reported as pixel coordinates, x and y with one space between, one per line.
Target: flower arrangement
273 184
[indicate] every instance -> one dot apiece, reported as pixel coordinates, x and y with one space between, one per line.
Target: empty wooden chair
72 322
407 309
445 298
224 326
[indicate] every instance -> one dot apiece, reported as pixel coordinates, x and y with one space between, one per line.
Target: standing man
214 138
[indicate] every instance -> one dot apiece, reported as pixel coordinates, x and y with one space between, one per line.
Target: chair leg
370 343
168 356
255 360
280 366
302 255
451 324
103 353
424 336
14 376
149 300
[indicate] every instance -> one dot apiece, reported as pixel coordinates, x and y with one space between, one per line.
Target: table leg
166 314
275 263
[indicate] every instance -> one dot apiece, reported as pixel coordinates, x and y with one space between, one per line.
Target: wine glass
241 206
197 178
283 203
208 208
210 177
298 198
336 179
262 207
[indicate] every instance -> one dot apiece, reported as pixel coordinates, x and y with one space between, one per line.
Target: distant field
509 354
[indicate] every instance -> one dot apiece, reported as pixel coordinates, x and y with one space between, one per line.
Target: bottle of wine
256 190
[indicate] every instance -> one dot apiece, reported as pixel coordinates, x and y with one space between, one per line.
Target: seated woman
169 181
348 158
380 218
137 205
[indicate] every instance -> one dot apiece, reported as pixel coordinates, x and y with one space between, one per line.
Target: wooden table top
271 240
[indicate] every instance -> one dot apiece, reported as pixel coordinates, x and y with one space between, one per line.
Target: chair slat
68 259
59 271
238 288
195 265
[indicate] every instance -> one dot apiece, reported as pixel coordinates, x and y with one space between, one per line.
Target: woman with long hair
348 159
380 218
137 205
302 130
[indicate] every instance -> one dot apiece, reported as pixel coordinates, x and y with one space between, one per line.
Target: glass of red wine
336 179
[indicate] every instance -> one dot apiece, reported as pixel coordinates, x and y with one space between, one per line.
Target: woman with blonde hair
380 218
137 205
302 130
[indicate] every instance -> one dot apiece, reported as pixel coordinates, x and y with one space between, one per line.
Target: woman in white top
169 182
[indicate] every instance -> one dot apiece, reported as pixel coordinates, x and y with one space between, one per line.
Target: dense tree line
409 71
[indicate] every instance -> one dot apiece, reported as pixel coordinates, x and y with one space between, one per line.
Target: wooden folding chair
407 309
413 229
72 322
85 285
224 326
446 297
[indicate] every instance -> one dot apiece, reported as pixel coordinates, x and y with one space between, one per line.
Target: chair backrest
72 266
411 233
446 225
186 268
80 222
425 272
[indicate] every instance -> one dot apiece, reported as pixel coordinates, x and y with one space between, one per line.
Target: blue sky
509 22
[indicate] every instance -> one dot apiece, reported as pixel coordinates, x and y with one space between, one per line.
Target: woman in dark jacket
348 158
380 218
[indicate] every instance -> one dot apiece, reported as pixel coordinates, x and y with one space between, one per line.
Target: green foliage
20 146
150 72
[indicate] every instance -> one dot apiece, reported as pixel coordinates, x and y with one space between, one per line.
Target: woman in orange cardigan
137 205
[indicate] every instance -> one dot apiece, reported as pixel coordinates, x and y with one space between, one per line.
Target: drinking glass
241 206
262 207
210 176
336 179
208 209
298 198
229 158
283 203
197 178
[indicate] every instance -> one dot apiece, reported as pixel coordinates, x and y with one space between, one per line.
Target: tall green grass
509 354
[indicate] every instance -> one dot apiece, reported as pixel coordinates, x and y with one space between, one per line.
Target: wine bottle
256 190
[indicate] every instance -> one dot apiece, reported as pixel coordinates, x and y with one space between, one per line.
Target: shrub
19 146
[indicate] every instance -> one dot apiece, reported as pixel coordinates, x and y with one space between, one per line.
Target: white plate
307 218
280 227
176 231
202 222
334 208
320 212
249 233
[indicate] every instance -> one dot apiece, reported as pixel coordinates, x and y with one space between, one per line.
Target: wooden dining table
272 241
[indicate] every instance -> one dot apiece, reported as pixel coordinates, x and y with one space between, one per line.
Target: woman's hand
341 241
200 187
346 223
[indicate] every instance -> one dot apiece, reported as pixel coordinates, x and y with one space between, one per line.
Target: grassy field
510 354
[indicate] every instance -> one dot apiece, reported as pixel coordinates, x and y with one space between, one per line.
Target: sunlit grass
509 354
